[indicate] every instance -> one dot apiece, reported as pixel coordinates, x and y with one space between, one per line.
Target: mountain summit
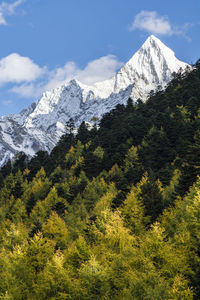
151 66
40 126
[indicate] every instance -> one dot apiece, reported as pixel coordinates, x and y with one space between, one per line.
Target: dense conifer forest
113 212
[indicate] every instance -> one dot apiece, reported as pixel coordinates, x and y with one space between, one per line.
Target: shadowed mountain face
40 126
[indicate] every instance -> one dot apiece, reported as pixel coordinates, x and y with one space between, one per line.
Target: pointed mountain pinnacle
40 126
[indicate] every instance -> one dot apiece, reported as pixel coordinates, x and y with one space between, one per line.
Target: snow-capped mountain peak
40 126
151 66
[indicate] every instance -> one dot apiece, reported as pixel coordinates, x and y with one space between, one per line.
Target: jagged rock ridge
40 126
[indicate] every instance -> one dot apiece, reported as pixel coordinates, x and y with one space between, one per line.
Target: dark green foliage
152 199
112 212
5 171
57 155
69 126
31 203
20 162
83 134
41 159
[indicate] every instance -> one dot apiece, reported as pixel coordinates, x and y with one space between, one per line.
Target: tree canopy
112 212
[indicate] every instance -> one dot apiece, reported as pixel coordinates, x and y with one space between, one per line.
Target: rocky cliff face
40 126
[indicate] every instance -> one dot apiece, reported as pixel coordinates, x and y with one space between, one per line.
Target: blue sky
44 43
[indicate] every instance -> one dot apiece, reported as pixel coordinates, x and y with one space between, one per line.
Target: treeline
112 212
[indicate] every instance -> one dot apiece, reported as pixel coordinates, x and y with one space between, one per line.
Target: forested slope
112 212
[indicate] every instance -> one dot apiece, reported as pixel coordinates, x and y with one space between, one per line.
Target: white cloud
7 102
15 69
99 69
7 9
153 23
96 70
28 90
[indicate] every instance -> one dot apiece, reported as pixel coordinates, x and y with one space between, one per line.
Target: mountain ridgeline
112 212
40 126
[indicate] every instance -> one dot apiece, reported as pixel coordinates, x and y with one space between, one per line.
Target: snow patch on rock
40 126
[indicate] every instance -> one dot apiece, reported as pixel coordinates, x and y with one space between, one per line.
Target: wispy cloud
152 22
7 102
97 70
8 9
